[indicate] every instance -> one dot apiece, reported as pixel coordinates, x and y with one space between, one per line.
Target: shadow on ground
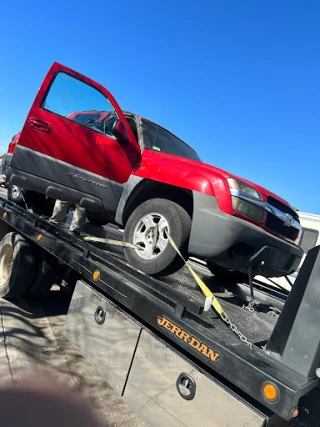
32 344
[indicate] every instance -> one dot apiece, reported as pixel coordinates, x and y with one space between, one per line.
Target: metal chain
234 329
264 308
274 311
24 200
217 307
250 307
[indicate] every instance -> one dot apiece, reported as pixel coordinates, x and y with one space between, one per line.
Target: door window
77 101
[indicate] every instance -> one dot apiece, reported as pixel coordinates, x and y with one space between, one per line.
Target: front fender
133 181
205 238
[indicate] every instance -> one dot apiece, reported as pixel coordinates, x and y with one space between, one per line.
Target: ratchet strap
110 242
210 299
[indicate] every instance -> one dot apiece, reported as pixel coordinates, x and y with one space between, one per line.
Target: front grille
276 225
282 207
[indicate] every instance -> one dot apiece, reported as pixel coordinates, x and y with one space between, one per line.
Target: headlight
241 186
247 209
242 205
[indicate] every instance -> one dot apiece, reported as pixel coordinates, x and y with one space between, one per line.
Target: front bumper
237 244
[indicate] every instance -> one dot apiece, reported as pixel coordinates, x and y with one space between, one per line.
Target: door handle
40 125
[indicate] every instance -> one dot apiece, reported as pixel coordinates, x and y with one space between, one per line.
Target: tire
227 276
45 275
164 261
15 279
15 194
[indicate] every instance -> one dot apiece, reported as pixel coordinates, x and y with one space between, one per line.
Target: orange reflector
39 237
4 215
96 275
270 392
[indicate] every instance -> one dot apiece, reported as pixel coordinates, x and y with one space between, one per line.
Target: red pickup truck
78 145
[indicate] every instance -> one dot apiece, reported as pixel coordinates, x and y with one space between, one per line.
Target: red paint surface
77 145
13 143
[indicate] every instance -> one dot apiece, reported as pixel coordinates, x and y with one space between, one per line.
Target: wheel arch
144 190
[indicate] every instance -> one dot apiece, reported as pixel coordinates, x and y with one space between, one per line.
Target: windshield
163 141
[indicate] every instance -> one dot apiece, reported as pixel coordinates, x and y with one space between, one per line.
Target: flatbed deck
172 309
257 326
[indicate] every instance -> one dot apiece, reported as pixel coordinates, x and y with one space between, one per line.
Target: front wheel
148 228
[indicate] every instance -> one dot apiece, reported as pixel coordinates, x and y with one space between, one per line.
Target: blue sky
244 76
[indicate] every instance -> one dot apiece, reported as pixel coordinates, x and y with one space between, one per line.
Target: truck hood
168 160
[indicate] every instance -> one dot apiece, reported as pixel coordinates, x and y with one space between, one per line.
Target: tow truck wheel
227 276
45 276
148 228
17 265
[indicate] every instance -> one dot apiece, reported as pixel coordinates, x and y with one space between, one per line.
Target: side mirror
120 131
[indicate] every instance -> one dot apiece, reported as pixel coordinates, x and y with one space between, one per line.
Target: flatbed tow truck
174 361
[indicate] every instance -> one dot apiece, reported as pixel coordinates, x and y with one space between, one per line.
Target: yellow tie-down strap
210 299
110 242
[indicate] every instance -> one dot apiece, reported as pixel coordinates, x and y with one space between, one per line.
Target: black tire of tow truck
15 281
179 222
45 276
226 276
